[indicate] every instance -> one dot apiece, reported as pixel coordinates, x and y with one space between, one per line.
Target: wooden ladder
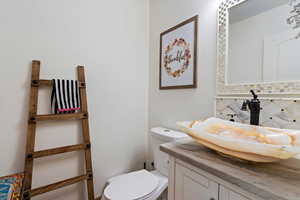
31 154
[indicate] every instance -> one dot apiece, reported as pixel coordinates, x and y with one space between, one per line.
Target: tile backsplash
279 113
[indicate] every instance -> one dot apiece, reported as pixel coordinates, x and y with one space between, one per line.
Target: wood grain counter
272 181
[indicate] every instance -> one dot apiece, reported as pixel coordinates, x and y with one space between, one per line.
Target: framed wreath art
178 56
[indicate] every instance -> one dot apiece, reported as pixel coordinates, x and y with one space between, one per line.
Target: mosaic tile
274 113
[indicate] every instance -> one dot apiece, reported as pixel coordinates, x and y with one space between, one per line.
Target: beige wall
111 39
167 107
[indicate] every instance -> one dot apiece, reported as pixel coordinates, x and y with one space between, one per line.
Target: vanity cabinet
197 173
227 194
189 183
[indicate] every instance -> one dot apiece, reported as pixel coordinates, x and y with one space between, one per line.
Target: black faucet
254 107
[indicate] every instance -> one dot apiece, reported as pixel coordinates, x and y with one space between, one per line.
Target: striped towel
65 96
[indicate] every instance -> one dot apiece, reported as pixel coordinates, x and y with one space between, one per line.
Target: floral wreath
186 57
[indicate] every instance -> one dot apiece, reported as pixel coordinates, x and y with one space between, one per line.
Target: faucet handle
253 93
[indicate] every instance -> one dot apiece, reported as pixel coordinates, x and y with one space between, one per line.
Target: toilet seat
137 185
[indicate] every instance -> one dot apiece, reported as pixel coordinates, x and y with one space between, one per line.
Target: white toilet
145 185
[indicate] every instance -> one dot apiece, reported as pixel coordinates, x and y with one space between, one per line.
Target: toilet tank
160 136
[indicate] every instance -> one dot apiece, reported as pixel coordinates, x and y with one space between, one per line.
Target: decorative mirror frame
223 88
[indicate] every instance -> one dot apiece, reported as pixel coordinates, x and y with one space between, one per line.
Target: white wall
111 39
167 107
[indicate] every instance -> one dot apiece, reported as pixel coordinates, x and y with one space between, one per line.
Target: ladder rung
37 83
57 185
60 150
46 82
59 117
43 82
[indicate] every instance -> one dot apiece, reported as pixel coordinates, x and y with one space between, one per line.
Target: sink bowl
251 143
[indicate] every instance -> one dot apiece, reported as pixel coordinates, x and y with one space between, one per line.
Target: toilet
145 185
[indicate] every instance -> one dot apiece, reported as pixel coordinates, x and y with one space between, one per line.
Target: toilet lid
132 186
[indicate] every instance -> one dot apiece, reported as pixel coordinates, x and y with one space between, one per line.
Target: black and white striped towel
65 96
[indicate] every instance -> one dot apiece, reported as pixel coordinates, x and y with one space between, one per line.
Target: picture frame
178 56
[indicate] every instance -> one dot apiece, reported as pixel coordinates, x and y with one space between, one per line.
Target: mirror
263 42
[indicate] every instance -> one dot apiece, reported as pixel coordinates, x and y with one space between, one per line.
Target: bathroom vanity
196 172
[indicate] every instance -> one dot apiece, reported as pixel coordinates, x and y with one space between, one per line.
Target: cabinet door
190 185
227 194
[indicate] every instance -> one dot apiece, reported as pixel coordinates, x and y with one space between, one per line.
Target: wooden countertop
272 181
